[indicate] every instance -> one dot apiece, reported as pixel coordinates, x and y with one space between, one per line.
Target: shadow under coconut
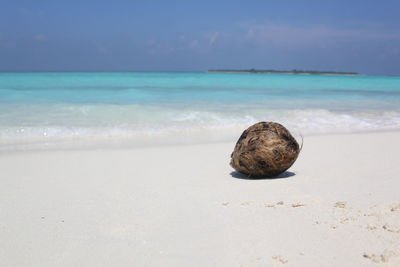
284 175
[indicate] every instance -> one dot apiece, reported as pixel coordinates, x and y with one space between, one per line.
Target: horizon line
163 71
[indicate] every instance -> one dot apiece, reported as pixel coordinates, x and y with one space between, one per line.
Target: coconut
265 149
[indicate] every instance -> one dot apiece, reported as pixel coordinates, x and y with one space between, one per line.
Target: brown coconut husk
265 149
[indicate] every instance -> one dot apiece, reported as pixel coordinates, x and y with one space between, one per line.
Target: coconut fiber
265 149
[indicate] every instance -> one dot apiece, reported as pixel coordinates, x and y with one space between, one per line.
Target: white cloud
101 49
250 34
40 37
155 46
288 35
6 43
213 38
194 44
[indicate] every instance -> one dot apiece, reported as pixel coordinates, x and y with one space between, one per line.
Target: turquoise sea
47 109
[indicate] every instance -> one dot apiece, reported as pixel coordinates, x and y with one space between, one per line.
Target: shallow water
43 108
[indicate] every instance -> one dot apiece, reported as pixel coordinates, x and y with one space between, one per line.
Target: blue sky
361 36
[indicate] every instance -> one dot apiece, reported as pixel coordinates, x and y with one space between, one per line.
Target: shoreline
142 142
174 205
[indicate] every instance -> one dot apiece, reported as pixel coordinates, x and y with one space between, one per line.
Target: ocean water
65 109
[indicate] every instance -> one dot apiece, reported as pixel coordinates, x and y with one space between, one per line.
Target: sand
338 205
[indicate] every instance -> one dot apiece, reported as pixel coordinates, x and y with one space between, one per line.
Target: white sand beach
338 205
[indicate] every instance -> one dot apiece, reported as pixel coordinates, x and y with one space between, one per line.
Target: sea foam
181 127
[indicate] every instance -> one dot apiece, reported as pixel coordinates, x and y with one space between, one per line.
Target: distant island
288 72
